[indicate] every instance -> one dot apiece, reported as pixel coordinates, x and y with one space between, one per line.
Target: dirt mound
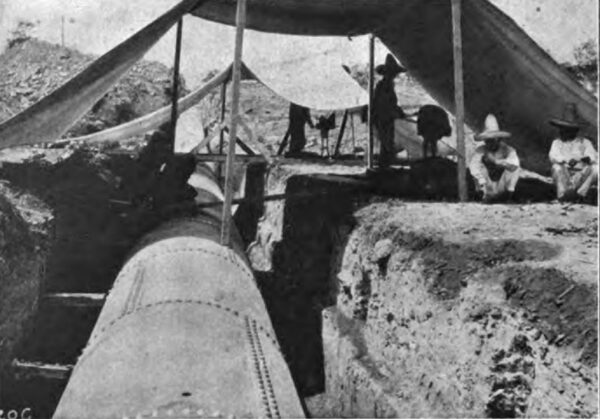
32 69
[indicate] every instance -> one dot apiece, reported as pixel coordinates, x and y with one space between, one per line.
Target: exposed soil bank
454 310
436 309
25 227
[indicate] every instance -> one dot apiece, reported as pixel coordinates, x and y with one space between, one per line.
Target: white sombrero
491 130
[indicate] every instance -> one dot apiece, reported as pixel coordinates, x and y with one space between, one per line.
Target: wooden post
459 99
223 110
175 92
221 133
226 217
341 134
371 89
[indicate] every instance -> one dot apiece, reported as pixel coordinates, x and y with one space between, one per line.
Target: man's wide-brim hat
570 118
390 67
491 130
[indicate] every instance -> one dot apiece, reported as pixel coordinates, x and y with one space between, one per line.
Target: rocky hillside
31 69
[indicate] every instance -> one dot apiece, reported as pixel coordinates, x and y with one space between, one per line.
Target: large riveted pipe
184 332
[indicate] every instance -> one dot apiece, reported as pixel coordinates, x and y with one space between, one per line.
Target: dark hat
570 118
390 67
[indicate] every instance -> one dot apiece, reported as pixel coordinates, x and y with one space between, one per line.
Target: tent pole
459 98
371 88
175 92
226 217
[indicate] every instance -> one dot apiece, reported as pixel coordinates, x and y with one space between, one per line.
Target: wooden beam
175 92
341 134
226 219
239 142
459 98
75 299
223 157
27 369
371 89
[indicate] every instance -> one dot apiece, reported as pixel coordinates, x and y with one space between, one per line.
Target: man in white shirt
574 159
494 165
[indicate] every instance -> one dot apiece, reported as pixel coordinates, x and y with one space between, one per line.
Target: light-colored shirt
505 154
563 151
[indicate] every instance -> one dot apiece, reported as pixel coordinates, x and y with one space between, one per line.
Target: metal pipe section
184 332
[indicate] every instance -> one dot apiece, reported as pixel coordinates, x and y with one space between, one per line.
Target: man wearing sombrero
386 109
494 165
574 159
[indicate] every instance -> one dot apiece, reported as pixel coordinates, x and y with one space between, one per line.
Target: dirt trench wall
465 310
296 242
25 228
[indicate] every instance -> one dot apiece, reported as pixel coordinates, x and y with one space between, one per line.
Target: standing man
299 116
574 159
495 165
386 109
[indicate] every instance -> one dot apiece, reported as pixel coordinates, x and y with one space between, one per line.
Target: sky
94 26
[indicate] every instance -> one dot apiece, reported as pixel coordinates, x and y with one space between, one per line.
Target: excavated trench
379 309
384 310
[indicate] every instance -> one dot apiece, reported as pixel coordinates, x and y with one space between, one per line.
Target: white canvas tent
505 72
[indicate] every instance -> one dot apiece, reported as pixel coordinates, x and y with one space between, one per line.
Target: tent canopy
505 71
313 82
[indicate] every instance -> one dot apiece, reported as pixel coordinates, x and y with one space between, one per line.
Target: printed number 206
15 414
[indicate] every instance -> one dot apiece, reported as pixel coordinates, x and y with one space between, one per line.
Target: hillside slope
32 69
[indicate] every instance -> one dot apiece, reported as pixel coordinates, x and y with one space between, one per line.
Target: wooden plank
223 157
459 98
226 218
175 92
371 89
75 299
30 369
341 134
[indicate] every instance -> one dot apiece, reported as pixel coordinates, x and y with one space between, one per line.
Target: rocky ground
32 69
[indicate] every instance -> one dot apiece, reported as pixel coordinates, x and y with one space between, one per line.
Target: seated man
495 165
574 159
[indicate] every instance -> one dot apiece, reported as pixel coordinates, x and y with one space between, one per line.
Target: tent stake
175 92
459 99
226 217
371 88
